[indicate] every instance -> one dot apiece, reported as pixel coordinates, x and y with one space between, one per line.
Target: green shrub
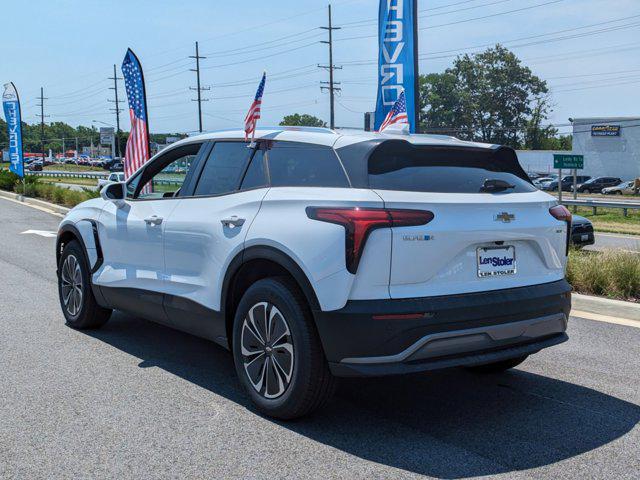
45 191
8 180
58 195
612 273
71 198
31 179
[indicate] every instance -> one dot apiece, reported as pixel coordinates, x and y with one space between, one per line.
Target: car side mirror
114 192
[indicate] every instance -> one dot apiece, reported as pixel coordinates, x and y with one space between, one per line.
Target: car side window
255 177
224 168
304 165
164 177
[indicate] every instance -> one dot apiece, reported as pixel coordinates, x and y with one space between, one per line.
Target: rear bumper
466 329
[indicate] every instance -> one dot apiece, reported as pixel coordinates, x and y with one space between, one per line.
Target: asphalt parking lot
138 400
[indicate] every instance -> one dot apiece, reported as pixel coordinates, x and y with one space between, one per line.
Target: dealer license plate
496 261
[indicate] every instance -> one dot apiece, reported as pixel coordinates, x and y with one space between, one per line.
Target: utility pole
117 110
62 148
42 117
77 148
198 89
331 67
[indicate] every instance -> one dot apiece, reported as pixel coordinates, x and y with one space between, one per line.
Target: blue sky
69 47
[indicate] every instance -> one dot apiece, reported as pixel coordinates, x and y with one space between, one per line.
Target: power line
484 17
374 21
262 57
434 55
272 76
252 47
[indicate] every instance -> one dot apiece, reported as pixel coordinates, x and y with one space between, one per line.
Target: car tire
77 301
498 367
286 376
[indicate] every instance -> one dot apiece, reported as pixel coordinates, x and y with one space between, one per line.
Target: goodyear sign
605 130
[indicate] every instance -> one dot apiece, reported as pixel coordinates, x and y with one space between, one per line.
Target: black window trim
195 173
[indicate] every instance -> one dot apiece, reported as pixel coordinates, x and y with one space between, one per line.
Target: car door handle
233 221
153 220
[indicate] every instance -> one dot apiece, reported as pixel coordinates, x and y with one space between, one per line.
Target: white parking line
42 233
605 318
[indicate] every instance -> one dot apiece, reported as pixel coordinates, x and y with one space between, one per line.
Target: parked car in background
624 187
581 232
312 253
112 178
116 167
567 183
595 185
35 166
107 163
540 183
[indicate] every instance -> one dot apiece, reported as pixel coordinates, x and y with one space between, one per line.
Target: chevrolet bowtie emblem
504 217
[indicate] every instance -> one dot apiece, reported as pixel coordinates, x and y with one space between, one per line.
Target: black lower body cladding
409 335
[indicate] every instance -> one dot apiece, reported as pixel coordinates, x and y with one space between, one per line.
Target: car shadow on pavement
446 424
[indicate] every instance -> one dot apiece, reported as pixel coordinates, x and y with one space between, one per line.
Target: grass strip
611 273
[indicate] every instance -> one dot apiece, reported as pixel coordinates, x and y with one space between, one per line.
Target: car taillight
358 223
562 213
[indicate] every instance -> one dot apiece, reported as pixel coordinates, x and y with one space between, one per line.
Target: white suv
315 253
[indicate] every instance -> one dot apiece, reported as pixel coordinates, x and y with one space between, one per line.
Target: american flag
397 115
254 112
137 152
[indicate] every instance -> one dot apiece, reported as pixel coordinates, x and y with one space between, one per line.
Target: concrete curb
605 306
34 202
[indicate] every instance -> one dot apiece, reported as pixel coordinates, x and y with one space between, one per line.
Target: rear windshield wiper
495 185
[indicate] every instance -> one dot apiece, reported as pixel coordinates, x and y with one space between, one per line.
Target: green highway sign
568 161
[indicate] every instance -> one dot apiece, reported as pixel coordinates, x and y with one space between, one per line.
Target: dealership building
610 145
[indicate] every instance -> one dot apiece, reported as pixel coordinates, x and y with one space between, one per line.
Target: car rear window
304 165
401 166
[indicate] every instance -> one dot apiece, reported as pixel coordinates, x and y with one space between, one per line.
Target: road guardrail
47 173
594 204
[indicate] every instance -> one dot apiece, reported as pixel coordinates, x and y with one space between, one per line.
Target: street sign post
574 162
